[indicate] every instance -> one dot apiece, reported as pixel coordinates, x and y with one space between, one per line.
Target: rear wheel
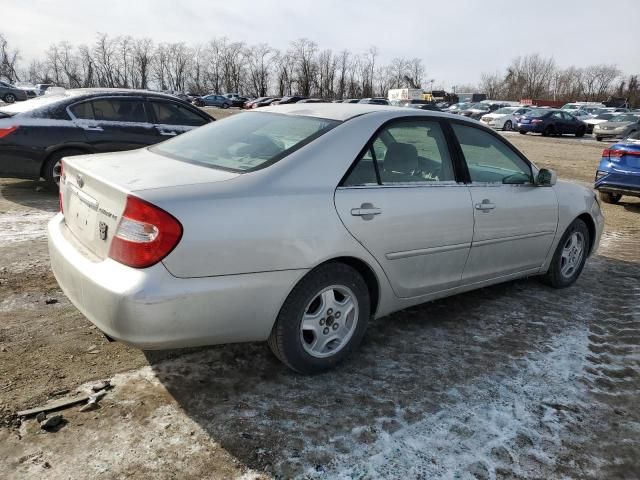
599 139
9 98
225 105
608 197
549 130
322 320
581 131
508 126
522 132
53 166
569 257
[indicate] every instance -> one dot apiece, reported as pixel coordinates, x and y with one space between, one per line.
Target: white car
600 118
296 224
504 118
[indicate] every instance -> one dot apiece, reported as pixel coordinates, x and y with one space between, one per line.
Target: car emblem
80 180
103 227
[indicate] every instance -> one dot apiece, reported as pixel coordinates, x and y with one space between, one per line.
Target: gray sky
456 39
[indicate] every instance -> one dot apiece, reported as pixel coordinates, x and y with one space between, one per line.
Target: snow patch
21 226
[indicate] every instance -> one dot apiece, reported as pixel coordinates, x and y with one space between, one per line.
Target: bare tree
8 61
304 56
260 59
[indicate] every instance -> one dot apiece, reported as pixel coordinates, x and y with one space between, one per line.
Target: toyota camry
296 224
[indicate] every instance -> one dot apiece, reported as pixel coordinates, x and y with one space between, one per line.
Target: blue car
551 122
212 101
619 171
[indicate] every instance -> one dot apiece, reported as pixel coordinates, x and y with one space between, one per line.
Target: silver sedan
296 224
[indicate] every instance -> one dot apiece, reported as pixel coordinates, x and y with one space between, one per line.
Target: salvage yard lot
516 380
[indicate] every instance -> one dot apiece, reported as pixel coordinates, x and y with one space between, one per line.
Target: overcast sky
456 39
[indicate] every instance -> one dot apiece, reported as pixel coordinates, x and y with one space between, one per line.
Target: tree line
224 65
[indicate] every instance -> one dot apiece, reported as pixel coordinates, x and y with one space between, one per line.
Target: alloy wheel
329 321
572 254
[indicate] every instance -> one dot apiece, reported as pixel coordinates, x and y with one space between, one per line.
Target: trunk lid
95 188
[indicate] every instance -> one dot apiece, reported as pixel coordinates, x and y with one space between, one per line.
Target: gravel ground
512 381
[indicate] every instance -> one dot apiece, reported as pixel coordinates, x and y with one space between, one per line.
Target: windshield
247 141
506 110
28 105
479 106
625 117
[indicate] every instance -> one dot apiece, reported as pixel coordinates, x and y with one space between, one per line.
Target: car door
402 202
570 123
515 221
172 118
113 124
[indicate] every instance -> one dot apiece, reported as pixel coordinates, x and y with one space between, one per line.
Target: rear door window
169 113
83 111
127 110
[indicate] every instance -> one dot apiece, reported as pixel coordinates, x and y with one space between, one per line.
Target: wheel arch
59 148
591 226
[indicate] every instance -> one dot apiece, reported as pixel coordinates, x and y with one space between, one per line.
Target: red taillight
60 186
612 152
7 130
146 234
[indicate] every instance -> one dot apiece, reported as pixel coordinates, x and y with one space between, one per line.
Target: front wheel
508 126
10 98
322 320
580 132
549 130
225 105
569 257
608 197
599 139
522 132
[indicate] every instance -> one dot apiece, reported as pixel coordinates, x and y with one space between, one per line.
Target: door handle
93 128
167 133
367 211
486 205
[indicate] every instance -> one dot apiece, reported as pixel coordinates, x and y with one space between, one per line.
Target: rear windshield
246 141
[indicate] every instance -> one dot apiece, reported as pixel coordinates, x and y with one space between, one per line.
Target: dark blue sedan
551 122
619 171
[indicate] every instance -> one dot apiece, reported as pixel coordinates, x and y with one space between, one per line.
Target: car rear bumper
151 309
529 127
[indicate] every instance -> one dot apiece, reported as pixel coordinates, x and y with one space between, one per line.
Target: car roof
331 111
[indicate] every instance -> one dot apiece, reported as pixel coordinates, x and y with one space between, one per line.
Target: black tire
608 197
286 340
580 132
50 166
225 105
10 98
554 276
508 126
549 130
599 139
522 132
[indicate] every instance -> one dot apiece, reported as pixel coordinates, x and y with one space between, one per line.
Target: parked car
620 126
374 101
290 99
312 100
458 107
212 101
36 135
249 104
478 110
619 171
424 106
351 100
276 225
27 87
582 106
504 118
265 103
10 93
551 122
41 88
600 118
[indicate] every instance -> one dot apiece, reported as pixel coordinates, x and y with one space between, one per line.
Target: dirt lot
512 381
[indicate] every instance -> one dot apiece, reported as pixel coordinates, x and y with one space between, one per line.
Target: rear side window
83 111
490 160
119 110
246 141
405 152
168 113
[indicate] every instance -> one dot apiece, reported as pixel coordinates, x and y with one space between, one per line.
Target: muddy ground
512 381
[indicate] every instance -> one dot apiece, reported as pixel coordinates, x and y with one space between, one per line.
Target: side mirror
546 178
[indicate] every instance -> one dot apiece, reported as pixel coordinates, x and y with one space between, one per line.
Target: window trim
496 135
458 172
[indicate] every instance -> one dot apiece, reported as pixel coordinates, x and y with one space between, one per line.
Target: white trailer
398 95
